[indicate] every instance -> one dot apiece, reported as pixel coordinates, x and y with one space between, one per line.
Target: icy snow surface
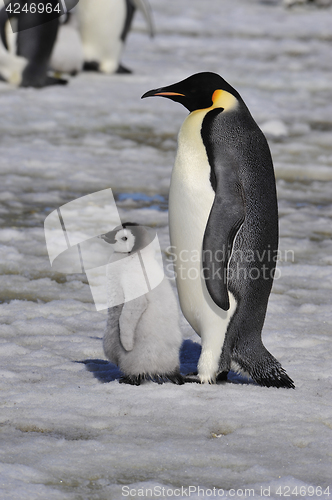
68 429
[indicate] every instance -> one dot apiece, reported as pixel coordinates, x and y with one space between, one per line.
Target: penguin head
128 238
200 91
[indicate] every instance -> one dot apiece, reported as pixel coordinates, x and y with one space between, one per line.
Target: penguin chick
142 335
223 207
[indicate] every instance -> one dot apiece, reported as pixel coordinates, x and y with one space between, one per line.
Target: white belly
101 24
190 201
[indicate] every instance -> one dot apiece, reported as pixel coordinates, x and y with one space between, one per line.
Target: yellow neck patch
223 99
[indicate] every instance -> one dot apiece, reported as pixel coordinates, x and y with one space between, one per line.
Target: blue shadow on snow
105 371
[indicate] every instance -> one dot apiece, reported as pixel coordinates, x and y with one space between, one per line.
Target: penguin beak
108 237
162 93
173 92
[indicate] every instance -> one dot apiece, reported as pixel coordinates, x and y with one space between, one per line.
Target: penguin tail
276 376
263 368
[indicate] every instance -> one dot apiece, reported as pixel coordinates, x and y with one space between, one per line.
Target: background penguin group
91 36
104 30
222 203
33 45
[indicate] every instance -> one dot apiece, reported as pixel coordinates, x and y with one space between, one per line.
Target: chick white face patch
124 241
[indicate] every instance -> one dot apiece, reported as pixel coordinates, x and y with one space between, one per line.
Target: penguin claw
207 379
222 377
192 378
131 380
91 66
122 70
175 378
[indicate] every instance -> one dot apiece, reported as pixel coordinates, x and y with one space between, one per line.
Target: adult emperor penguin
142 334
223 209
104 26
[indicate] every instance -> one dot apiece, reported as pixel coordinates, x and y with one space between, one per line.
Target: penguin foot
91 66
221 377
191 378
122 70
207 379
131 379
194 378
38 83
52 80
175 378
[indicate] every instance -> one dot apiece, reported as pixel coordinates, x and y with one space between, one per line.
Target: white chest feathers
101 24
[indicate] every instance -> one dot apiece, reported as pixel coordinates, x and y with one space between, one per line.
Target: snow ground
68 429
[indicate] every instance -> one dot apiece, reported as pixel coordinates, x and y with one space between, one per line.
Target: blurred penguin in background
33 45
317 3
11 65
67 56
104 26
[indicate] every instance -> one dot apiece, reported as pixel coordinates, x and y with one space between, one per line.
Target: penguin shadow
102 370
105 371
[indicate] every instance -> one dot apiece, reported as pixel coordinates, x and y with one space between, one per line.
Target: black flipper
226 216
53 80
129 19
